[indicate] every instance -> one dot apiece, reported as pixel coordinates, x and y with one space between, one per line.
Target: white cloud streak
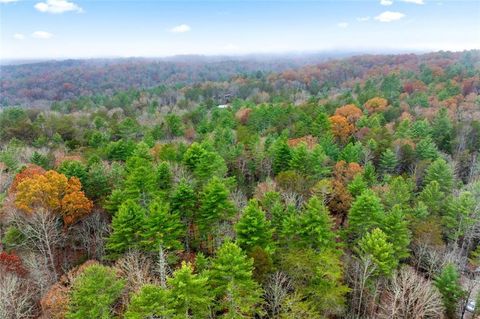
57 6
414 1
386 2
182 28
389 16
343 25
18 36
44 35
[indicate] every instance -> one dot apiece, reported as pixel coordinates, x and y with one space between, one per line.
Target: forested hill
59 80
343 189
38 84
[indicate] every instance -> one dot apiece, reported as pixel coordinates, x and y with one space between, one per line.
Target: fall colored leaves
35 189
345 118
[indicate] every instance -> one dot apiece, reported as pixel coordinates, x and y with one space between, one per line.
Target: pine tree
150 302
458 215
448 283
97 184
238 295
375 245
162 228
127 225
395 226
312 228
426 149
190 297
365 214
281 156
440 172
253 229
94 293
432 197
215 205
388 161
164 176
183 202
140 184
442 131
357 185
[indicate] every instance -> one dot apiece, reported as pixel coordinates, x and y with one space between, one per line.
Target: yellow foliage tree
55 193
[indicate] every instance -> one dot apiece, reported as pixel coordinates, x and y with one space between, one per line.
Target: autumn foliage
376 104
341 128
55 193
350 112
29 171
11 263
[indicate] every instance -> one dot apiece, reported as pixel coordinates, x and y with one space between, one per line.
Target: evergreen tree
426 149
388 161
215 205
140 184
281 156
352 153
442 131
162 227
299 160
318 279
357 185
376 246
150 302
94 293
253 229
440 172
97 184
76 169
365 214
164 176
183 202
312 228
395 226
400 192
238 295
127 225
458 215
189 293
448 283
432 197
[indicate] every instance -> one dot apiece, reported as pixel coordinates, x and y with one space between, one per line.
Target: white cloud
386 2
342 25
415 1
8 1
18 36
57 6
363 19
180 28
389 16
42 35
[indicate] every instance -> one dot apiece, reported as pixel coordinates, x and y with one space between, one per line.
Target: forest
280 188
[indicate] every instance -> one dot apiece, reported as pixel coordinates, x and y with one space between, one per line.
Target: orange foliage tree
55 193
350 112
27 172
376 104
341 128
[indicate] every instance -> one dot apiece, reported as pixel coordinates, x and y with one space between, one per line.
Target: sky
56 29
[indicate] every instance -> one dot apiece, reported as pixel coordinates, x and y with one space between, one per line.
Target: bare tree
359 276
277 289
162 267
91 233
42 233
411 296
16 297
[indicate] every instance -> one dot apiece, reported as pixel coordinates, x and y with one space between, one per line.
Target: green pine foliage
94 293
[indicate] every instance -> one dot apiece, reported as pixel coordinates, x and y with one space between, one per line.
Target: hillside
244 188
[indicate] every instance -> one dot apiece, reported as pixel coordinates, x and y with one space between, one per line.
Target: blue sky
104 28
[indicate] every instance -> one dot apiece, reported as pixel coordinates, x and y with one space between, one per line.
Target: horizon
63 29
